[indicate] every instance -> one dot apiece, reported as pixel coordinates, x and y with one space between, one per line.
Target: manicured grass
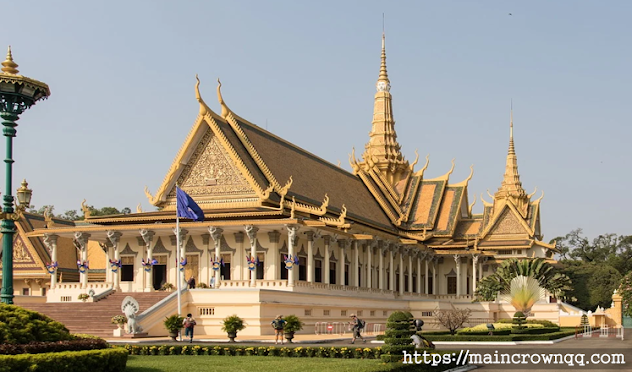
188 363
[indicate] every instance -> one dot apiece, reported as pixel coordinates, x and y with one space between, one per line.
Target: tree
593 283
523 293
73 215
546 274
625 290
452 319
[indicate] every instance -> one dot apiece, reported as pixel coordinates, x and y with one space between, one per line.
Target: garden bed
106 360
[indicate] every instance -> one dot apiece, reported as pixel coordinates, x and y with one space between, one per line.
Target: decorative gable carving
508 223
21 254
211 171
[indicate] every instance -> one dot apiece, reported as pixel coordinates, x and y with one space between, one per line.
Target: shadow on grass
142 369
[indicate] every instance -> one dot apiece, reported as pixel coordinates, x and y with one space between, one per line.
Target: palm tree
537 268
523 293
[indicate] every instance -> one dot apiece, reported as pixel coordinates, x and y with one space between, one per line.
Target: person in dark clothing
191 283
357 325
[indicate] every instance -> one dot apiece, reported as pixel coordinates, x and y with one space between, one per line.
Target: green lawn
190 363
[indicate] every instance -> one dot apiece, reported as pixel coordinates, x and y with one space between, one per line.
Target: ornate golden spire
383 149
511 187
9 67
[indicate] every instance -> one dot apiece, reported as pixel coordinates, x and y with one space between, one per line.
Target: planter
289 336
120 325
173 335
232 336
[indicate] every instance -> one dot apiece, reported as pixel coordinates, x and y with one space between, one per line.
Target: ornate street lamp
17 94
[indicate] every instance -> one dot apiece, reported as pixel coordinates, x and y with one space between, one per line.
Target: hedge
53 347
511 337
21 326
107 360
546 323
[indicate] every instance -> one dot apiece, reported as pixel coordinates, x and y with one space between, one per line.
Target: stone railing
64 291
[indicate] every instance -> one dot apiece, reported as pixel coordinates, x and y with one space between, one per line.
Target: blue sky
122 77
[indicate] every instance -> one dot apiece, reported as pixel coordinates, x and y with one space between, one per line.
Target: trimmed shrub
21 326
545 323
108 360
53 347
518 320
399 328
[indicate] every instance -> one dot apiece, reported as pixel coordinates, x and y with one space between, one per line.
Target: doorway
192 267
159 272
452 285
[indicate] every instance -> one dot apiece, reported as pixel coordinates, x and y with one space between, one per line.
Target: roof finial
383 84
512 150
9 66
225 109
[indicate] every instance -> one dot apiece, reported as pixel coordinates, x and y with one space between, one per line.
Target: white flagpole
178 278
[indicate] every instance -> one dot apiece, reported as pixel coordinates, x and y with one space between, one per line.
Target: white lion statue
130 308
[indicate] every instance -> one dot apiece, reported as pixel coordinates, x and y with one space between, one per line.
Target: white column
369 265
148 237
342 244
391 274
426 281
291 234
183 255
419 290
381 270
216 235
410 270
252 236
434 276
114 237
82 240
457 260
474 276
310 256
327 240
51 243
354 266
480 268
401 271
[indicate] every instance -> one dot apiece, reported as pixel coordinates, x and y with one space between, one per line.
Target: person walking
191 283
278 324
357 325
189 323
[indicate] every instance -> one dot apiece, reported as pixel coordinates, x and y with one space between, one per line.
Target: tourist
189 323
212 282
191 283
357 325
278 323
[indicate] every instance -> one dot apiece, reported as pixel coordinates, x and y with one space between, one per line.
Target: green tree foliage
611 249
593 283
547 275
625 290
21 326
73 215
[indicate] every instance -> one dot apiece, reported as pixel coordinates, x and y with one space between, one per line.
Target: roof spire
9 66
383 84
511 187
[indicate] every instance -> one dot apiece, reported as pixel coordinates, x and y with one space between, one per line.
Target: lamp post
17 94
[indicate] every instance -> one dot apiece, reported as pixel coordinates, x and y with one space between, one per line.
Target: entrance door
452 285
159 272
192 268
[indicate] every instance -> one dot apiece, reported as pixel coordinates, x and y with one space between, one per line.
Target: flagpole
178 277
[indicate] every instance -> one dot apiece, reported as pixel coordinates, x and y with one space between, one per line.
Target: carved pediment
508 223
210 171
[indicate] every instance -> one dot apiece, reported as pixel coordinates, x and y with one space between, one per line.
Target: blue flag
187 207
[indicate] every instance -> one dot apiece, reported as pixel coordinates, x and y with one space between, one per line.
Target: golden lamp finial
8 66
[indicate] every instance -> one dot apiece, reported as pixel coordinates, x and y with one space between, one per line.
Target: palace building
288 232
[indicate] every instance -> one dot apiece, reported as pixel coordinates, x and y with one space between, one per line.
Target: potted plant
173 324
292 324
203 285
231 325
167 287
119 320
83 297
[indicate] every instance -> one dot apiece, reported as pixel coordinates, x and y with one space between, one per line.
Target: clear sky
122 75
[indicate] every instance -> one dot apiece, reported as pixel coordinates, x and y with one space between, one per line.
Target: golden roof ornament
9 66
511 187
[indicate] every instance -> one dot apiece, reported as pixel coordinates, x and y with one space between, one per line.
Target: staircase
95 318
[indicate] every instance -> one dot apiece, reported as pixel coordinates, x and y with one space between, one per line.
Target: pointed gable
211 171
509 223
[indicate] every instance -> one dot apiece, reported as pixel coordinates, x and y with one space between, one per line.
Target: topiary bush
21 326
399 328
518 321
584 320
